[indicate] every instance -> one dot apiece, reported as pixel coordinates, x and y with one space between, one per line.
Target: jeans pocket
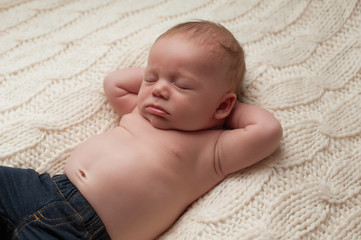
54 221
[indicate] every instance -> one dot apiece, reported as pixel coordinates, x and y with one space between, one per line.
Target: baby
182 132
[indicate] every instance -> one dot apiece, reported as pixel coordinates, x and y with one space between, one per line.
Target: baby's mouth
156 110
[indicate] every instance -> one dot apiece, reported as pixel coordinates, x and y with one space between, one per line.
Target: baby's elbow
274 133
108 85
111 90
110 81
277 130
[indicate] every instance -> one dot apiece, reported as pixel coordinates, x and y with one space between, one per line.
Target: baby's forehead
201 55
213 48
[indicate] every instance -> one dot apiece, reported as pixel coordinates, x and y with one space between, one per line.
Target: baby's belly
132 192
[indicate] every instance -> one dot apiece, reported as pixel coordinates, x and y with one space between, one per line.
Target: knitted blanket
303 64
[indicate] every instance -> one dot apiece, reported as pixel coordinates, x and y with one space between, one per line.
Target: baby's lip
156 110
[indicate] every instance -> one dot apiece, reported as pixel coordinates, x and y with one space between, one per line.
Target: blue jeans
34 206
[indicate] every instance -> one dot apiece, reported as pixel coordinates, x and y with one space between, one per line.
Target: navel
82 173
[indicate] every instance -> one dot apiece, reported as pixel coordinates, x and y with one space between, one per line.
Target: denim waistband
91 222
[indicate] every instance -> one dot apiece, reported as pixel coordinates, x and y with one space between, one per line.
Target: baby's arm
121 88
254 135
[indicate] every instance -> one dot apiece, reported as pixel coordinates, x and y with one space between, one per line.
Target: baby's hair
207 31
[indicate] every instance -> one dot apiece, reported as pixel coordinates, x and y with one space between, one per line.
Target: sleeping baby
182 131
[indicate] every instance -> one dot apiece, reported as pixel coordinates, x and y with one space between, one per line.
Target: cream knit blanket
303 64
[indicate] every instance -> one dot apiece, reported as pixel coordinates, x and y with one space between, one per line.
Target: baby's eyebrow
151 71
186 75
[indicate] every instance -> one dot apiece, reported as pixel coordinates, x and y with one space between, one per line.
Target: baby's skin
181 133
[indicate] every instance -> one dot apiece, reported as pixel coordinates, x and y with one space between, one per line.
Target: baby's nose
160 90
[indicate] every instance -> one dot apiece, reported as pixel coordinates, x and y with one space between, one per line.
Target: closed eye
150 80
183 87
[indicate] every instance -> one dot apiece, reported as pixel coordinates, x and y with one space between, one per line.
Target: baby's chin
165 125
158 122
181 128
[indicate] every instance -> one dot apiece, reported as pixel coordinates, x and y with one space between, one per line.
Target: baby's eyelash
149 80
182 87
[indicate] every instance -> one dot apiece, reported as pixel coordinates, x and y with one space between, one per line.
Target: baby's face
183 85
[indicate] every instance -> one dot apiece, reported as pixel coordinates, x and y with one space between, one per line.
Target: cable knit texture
303 64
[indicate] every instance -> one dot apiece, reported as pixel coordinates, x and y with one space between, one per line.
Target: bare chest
136 165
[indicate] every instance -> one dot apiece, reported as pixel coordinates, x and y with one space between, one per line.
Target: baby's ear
226 106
